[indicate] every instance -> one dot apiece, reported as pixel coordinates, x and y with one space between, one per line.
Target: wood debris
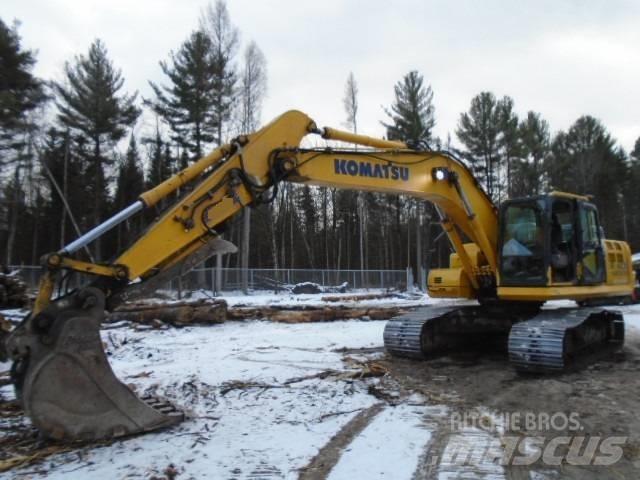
13 291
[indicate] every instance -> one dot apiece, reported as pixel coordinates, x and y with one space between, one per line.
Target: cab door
591 248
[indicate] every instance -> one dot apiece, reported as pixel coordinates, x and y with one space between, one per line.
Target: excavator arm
249 170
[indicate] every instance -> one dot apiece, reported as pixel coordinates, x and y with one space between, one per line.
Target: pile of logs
13 291
216 311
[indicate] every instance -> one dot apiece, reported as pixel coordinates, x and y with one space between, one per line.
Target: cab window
589 225
522 258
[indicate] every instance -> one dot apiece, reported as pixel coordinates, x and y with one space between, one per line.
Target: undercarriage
540 341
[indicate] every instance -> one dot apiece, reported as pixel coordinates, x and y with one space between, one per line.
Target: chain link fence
230 279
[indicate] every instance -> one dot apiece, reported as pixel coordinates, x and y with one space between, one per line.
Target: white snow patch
282 299
268 430
390 446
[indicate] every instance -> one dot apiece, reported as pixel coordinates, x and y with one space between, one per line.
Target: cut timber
215 311
176 314
13 291
307 315
356 297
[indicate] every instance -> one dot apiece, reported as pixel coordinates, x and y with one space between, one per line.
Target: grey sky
561 58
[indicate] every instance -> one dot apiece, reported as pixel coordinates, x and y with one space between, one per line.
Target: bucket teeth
69 389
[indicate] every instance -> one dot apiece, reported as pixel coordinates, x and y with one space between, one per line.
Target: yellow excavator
511 260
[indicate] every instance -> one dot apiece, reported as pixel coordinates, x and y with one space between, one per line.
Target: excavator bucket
65 383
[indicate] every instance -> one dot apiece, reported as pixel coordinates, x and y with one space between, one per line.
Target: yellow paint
45 290
572 292
334 134
86 267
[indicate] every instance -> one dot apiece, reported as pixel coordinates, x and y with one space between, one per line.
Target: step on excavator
510 260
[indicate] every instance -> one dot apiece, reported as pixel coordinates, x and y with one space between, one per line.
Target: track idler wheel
66 385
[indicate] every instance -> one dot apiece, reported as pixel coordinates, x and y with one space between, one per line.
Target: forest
70 158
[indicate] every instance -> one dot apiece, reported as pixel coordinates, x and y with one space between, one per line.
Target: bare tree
350 102
253 87
224 37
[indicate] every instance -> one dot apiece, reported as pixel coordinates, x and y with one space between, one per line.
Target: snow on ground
267 428
255 432
390 446
284 299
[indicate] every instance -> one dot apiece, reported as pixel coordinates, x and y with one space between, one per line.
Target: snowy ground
273 425
264 298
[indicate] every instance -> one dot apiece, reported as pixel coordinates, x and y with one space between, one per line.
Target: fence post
218 273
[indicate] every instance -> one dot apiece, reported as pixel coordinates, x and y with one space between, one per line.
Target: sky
563 58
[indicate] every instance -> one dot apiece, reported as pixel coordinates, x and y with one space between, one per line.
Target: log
13 291
306 315
180 315
357 297
139 306
208 312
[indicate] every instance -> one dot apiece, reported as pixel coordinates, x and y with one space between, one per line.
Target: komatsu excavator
510 260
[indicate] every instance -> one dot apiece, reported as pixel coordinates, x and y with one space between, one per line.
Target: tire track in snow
327 458
390 447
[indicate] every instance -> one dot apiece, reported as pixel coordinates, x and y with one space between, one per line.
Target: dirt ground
604 398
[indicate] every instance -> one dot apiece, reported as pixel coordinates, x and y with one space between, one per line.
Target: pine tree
510 144
160 162
20 91
529 176
129 185
130 182
187 103
635 153
223 36
479 131
586 160
412 113
632 198
90 104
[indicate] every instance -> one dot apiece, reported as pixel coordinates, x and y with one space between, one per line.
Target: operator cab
553 239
